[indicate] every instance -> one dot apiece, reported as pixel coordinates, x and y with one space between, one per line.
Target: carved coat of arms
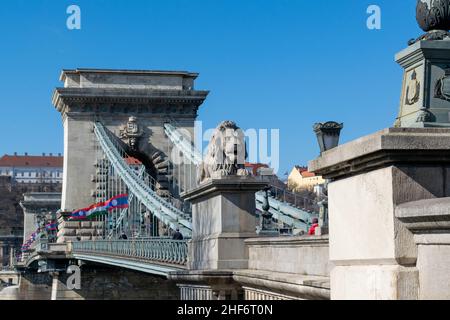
413 90
442 90
132 132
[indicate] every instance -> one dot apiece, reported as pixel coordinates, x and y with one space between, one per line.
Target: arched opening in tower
146 161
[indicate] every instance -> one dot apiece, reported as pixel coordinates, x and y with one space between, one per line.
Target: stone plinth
429 221
223 213
373 253
425 97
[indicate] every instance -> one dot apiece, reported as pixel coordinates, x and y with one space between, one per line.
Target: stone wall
76 230
102 283
300 255
286 268
34 286
375 252
97 283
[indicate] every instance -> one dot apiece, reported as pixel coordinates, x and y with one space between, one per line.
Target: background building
19 175
32 169
301 179
258 169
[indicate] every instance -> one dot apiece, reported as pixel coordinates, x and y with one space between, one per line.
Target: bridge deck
154 255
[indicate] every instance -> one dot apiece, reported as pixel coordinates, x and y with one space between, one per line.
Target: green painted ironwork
164 250
163 208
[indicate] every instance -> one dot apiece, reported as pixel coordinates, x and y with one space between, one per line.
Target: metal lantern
328 134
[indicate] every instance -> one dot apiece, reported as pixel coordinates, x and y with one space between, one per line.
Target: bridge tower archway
133 106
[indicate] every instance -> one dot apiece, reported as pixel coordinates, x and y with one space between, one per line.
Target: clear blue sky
269 64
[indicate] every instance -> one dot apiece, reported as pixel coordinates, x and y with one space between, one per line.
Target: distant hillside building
258 169
301 179
32 169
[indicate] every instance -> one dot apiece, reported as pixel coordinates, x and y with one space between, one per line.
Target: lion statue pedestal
223 216
223 205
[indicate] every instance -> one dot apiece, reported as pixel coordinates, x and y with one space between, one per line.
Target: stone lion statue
226 153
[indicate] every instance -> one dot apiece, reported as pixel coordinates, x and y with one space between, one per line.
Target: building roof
255 166
304 172
31 161
131 160
307 174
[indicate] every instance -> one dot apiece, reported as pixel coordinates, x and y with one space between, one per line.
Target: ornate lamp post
266 217
328 134
323 211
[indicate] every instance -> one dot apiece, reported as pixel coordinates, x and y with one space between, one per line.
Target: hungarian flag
51 227
99 209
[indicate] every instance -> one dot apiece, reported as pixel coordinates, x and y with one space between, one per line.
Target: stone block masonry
112 97
373 249
98 283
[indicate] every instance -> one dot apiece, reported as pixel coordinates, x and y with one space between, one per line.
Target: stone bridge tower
133 105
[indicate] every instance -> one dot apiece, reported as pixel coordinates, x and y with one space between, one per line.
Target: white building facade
32 169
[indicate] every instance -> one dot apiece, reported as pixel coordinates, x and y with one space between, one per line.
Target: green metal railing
163 250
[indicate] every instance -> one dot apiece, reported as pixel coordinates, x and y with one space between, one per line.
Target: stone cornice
393 146
224 185
109 100
37 206
422 50
290 241
425 216
307 287
187 74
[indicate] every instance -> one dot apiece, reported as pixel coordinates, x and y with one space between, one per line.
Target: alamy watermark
252 145
374 19
74 19
74 280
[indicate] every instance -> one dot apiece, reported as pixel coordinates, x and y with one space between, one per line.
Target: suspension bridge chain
183 143
285 209
162 208
124 212
285 212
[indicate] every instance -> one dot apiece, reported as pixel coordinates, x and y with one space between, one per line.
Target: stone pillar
2 254
429 221
223 213
373 253
55 281
323 219
12 255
